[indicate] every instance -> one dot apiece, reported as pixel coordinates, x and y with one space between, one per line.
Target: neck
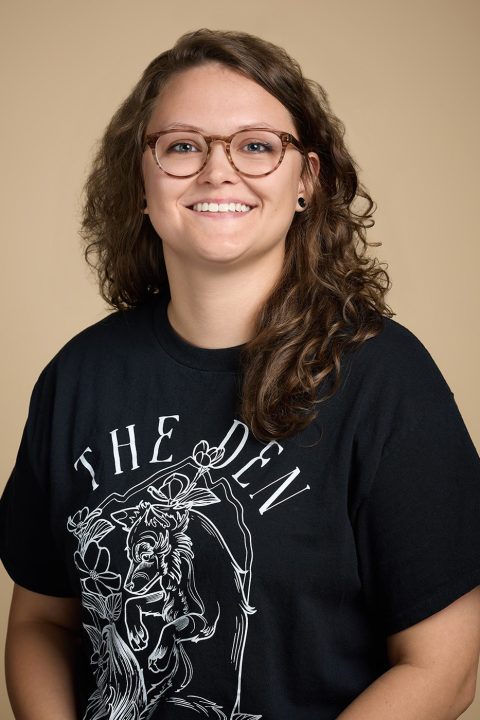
218 309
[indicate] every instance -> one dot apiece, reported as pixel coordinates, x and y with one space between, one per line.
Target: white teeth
221 207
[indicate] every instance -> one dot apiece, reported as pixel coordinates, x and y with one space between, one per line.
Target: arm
42 639
434 671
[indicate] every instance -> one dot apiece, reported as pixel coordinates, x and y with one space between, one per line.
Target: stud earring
302 202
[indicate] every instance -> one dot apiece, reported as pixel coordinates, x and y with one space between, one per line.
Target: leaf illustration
159 495
95 637
96 709
114 606
95 603
201 496
217 454
98 531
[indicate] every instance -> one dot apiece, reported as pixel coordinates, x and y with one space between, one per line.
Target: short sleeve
418 530
28 548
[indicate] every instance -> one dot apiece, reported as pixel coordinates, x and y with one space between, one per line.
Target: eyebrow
187 126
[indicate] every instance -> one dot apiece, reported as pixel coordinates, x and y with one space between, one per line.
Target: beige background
402 76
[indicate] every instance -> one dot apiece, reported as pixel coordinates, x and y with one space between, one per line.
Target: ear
306 183
126 518
145 208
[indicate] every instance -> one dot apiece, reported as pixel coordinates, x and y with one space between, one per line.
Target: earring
302 202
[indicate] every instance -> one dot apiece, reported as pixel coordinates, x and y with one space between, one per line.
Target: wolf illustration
186 592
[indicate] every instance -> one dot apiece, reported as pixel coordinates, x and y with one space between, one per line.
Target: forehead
217 99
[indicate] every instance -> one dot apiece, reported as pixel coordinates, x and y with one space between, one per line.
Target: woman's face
218 101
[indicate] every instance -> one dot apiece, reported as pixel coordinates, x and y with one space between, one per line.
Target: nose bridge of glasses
220 140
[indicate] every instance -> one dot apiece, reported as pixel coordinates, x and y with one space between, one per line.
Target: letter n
287 480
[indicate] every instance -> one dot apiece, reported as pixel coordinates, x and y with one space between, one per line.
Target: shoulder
114 331
392 386
117 331
101 348
397 357
395 343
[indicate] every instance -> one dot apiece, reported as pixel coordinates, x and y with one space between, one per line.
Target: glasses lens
256 152
181 152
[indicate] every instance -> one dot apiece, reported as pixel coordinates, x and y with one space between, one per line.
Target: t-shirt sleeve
28 548
418 529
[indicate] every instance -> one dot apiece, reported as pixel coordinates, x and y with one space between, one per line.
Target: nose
218 168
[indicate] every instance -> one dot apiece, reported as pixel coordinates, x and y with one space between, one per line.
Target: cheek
283 190
161 201
146 169
284 199
154 181
153 185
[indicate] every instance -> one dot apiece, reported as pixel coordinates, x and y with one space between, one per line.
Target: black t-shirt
220 576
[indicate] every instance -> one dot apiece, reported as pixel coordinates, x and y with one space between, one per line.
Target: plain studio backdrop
402 76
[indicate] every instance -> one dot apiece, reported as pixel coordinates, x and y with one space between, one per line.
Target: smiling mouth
221 208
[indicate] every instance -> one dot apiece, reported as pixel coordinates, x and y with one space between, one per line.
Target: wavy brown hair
330 297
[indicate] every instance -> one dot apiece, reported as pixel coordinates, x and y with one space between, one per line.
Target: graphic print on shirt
184 583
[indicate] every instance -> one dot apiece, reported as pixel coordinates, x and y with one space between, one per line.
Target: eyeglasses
253 152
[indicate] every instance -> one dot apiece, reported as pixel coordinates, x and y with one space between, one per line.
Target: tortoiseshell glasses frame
286 138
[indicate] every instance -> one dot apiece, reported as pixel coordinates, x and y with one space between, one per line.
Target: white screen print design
185 581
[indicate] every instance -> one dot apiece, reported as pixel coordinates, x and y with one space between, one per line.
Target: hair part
330 297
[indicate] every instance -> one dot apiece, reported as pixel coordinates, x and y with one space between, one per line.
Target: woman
249 492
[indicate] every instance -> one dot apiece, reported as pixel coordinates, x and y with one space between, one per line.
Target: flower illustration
94 565
205 456
79 522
